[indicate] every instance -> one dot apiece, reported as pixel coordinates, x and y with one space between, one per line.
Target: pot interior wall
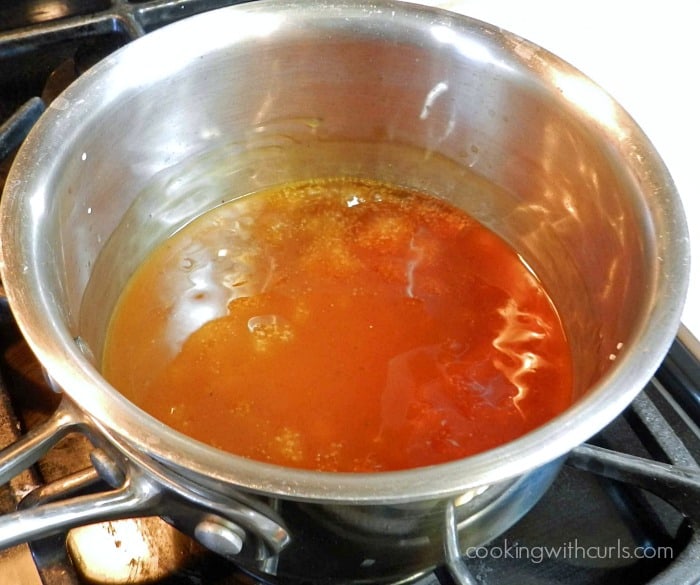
463 117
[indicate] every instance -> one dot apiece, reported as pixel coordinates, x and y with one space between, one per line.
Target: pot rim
41 322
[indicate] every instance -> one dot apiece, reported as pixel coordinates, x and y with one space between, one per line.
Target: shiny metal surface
635 71
269 92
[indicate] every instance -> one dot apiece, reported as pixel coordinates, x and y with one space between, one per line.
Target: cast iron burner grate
585 529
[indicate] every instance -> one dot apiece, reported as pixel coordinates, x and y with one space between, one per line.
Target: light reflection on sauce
340 325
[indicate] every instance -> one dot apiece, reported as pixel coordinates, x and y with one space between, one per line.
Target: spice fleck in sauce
340 325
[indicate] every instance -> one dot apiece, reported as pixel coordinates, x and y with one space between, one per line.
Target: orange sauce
340 325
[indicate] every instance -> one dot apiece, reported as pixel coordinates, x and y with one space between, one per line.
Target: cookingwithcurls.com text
571 550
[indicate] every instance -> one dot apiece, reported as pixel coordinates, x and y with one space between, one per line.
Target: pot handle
138 488
135 493
32 446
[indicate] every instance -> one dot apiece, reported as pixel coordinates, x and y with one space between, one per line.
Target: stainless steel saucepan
242 98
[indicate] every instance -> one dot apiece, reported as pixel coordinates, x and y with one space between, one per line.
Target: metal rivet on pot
220 536
107 469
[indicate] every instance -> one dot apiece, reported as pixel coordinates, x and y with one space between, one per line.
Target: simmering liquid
340 325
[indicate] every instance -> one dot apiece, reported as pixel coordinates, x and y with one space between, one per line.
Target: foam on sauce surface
340 325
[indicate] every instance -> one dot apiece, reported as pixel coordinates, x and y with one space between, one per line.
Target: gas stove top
594 525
